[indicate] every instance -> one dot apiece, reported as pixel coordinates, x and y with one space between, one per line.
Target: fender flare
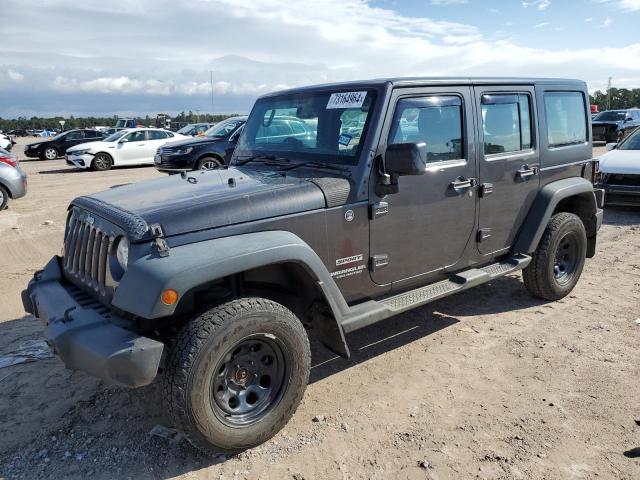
191 265
545 204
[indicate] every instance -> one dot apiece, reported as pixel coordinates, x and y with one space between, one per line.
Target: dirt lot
487 384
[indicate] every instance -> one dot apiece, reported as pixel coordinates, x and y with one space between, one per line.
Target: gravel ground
490 383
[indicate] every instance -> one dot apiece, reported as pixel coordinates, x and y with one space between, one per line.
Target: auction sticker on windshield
346 100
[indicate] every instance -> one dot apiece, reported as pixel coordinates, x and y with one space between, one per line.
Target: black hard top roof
430 81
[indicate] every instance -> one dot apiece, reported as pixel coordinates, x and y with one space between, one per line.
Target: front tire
50 153
558 261
236 374
102 162
209 163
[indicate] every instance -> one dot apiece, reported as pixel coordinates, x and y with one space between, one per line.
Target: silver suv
13 180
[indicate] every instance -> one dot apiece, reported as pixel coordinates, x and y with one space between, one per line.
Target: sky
143 57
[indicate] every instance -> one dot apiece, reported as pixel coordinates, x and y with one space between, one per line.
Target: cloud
543 24
628 5
448 2
539 4
155 55
607 22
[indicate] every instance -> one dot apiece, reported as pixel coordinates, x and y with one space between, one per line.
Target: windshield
326 127
115 136
613 116
186 130
121 123
632 142
224 128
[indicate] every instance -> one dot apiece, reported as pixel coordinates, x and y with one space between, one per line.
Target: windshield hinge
159 243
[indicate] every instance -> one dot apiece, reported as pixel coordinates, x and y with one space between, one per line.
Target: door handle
141 144
462 184
525 173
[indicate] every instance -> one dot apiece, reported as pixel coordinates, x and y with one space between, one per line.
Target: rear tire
102 162
209 163
558 261
4 197
236 374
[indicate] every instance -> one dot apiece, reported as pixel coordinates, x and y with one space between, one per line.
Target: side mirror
401 159
123 140
611 146
406 159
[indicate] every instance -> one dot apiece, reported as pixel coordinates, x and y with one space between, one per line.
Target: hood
607 122
90 145
214 198
620 161
193 141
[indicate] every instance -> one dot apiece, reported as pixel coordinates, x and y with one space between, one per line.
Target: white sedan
619 171
133 146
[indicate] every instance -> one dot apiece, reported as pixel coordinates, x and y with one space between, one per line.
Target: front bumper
621 195
173 162
79 161
85 339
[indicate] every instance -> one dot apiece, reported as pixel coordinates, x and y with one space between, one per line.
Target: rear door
509 163
427 225
75 137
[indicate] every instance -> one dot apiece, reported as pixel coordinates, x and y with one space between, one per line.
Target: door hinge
378 210
379 261
483 234
486 189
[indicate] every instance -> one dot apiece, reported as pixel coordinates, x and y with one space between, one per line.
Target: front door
134 149
428 224
509 163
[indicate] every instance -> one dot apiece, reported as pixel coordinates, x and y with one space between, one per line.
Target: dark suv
55 147
393 194
612 126
212 150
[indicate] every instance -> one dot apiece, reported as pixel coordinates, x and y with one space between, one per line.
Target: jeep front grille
86 255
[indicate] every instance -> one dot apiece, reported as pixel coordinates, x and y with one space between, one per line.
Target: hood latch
159 243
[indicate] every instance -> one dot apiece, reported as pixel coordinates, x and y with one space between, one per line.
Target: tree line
37 123
620 98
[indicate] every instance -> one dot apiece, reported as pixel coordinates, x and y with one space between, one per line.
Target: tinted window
611 116
156 135
566 120
506 123
74 136
436 121
632 142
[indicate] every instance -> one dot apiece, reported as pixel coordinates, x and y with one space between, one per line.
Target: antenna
609 94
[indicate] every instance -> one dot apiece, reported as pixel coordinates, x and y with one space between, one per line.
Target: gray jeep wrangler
343 205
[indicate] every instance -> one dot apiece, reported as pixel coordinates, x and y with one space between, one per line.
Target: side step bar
370 312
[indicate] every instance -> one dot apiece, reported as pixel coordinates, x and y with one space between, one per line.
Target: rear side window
156 135
75 135
566 118
434 120
506 123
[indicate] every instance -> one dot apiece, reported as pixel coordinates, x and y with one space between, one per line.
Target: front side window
138 136
632 142
566 118
318 126
506 123
434 120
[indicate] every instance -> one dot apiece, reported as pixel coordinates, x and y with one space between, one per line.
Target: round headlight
122 252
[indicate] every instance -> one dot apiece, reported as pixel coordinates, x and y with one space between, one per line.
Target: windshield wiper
263 157
318 165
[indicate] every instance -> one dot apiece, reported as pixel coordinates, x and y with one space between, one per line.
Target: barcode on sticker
346 100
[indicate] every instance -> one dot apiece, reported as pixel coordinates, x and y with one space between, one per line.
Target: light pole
211 82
